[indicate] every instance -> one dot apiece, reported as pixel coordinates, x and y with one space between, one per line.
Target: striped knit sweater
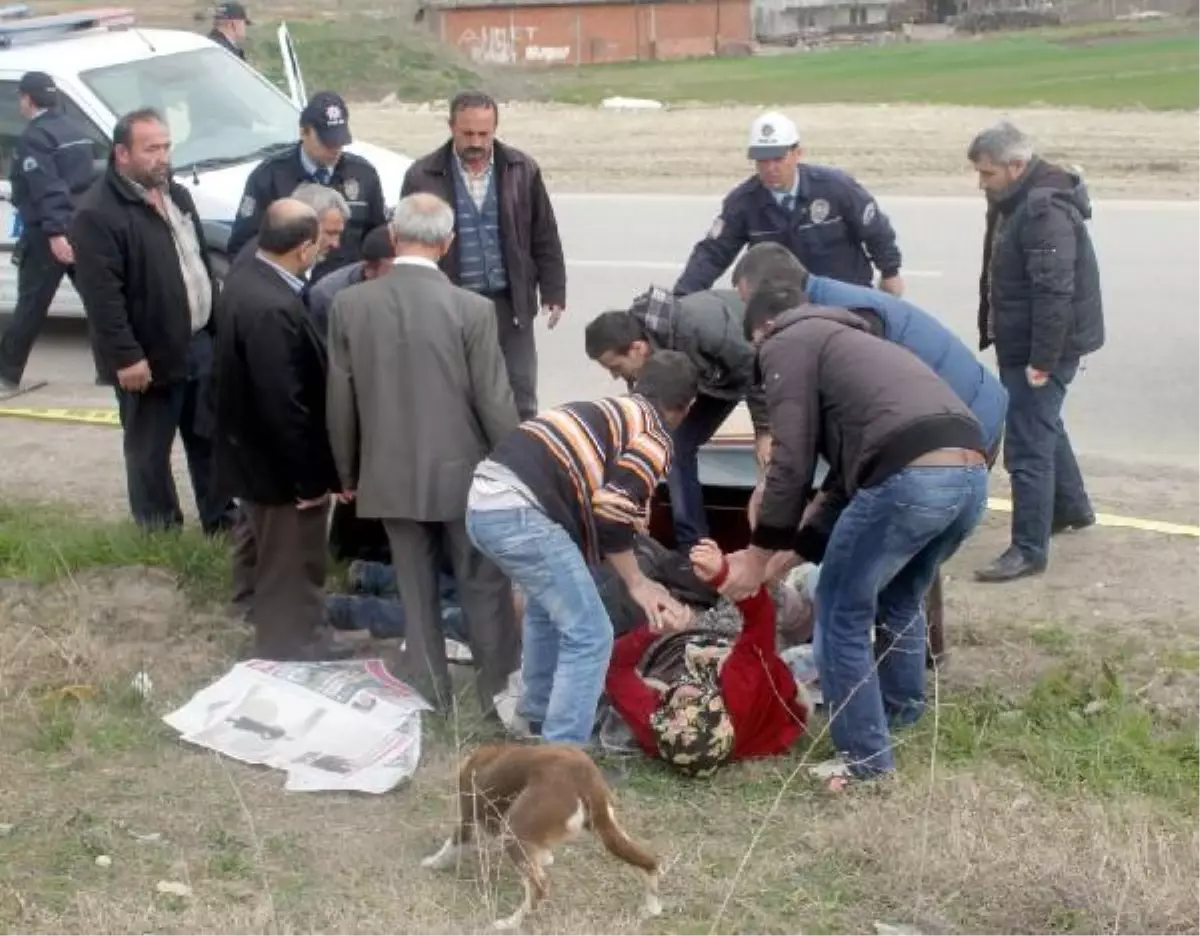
593 467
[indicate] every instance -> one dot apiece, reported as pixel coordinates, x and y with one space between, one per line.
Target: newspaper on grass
330 726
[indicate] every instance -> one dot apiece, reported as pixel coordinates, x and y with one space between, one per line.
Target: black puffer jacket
1040 283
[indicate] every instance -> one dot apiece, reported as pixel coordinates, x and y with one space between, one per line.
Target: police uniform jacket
835 228
223 41
53 165
278 176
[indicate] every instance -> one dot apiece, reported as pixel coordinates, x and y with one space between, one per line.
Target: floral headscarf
695 735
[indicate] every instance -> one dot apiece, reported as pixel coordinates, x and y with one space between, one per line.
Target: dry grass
1045 796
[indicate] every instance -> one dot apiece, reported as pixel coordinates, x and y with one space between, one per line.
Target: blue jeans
881 559
568 637
1047 486
378 608
683 480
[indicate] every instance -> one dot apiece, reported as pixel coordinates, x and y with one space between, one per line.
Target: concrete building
585 32
776 18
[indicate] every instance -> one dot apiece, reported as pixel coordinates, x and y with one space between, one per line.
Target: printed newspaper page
330 726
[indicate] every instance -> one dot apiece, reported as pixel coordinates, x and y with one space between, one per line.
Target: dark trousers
38 277
287 607
683 480
150 420
520 356
484 594
244 555
1047 486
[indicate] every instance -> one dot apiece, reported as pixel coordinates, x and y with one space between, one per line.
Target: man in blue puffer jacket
902 323
890 318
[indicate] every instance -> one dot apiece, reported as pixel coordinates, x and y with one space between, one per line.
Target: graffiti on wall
506 45
495 45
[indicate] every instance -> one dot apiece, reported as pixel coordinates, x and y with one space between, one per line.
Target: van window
12 125
219 109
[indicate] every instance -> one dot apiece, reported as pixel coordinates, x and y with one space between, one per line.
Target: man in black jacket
229 28
320 157
1040 305
708 327
143 273
272 451
907 483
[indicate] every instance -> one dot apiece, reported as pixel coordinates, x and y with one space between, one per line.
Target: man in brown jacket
907 484
507 246
417 397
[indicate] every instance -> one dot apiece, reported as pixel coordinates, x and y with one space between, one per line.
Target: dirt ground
897 149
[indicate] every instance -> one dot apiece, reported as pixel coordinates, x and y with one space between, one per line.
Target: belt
949 458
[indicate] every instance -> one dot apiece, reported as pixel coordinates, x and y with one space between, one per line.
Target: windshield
217 108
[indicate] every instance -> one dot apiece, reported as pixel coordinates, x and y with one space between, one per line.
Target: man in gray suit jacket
418 396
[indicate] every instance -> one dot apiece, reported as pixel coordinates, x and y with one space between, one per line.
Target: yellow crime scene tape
89 417
109 417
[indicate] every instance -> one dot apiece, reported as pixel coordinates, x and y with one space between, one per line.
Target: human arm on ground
634 700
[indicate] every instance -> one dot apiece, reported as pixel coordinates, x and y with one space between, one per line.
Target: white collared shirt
415 261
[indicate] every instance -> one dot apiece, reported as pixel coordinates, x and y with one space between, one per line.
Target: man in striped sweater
557 498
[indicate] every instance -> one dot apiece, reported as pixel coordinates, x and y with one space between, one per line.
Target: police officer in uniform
229 28
829 221
319 157
52 165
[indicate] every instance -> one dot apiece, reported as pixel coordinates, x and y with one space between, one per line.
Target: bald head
288 235
422 225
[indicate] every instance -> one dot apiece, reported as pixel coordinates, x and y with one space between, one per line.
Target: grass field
1115 67
1063 804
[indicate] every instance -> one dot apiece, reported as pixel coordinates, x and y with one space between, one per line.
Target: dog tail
615 839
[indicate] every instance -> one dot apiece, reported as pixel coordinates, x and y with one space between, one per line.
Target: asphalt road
1138 400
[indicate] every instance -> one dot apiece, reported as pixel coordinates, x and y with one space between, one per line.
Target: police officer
52 165
318 157
229 28
830 222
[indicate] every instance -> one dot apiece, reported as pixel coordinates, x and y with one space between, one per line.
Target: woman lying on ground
699 698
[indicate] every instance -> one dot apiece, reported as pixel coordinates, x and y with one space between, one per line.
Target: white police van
224 116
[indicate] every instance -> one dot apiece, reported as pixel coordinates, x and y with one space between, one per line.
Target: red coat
759 690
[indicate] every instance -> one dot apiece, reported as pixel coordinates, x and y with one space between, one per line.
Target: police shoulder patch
870 213
718 226
29 165
246 208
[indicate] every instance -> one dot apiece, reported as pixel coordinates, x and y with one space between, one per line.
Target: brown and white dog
536 797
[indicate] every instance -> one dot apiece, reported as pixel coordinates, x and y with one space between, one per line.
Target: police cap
232 10
40 88
772 136
327 114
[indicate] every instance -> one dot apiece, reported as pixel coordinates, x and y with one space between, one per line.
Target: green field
1117 66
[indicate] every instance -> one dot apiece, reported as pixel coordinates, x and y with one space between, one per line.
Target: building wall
595 32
